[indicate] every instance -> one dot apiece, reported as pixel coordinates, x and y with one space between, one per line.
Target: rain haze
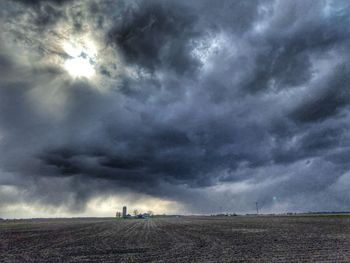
187 107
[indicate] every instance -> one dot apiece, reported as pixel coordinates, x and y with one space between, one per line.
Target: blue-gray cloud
190 96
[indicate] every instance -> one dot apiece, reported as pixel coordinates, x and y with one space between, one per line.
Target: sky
190 107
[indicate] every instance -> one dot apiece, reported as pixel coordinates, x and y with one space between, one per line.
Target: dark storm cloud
291 42
46 13
329 98
233 16
38 2
156 34
197 102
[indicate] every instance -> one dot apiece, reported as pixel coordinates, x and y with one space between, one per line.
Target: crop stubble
182 239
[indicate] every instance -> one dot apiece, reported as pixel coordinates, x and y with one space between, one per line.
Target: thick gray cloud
212 105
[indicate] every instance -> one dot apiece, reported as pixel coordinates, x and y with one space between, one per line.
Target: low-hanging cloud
211 105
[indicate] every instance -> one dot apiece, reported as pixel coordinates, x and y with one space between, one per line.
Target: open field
184 239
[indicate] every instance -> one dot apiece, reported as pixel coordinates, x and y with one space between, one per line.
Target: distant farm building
124 214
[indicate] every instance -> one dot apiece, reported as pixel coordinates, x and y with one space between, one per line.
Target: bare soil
183 239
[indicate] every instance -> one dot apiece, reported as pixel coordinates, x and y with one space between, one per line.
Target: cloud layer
213 106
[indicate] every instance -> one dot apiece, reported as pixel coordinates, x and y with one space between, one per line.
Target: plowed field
183 239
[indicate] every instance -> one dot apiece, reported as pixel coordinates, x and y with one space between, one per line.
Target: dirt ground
183 239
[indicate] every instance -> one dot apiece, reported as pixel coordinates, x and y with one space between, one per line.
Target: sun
81 59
